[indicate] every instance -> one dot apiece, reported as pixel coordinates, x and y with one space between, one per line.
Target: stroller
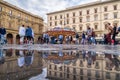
2 40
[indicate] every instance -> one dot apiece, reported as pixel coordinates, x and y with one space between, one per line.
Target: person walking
89 33
2 34
77 38
115 32
83 38
109 33
22 33
28 34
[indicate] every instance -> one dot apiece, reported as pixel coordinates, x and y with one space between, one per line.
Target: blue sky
41 7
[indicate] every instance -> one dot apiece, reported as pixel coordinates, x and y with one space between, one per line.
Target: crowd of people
26 35
87 37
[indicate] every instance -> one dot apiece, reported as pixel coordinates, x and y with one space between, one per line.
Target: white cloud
41 7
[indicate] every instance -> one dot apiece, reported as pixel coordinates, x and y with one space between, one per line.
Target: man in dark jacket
2 30
2 34
28 33
115 32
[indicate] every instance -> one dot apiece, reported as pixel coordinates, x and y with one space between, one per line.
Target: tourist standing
89 33
22 33
2 34
60 39
28 34
83 38
109 33
77 38
93 37
115 32
47 38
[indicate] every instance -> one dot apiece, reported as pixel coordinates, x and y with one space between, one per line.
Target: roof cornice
17 8
83 6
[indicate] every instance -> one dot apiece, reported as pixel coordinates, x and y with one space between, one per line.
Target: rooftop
17 8
83 5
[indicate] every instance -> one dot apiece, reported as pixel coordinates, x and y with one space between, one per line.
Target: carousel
61 31
61 57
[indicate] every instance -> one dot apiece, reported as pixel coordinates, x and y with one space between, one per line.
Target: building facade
11 69
11 17
95 67
95 15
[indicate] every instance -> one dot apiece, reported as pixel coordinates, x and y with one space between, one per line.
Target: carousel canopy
61 31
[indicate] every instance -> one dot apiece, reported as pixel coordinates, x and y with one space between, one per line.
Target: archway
9 38
17 39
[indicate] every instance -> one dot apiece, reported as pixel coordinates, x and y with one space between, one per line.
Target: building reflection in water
83 65
63 65
19 64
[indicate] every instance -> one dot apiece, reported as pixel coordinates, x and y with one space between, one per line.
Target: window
73 14
80 19
95 10
117 76
81 78
50 18
107 75
74 28
74 70
97 74
55 23
105 16
55 74
88 11
88 18
80 28
89 73
95 17
67 15
74 77
115 7
115 15
50 23
67 75
60 16
97 65
61 68
80 13
105 9
0 8
81 71
81 62
49 66
49 72
60 74
68 70
55 17
96 27
61 22
73 20
55 68
67 21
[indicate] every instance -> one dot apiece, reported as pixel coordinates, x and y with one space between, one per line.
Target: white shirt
22 31
32 33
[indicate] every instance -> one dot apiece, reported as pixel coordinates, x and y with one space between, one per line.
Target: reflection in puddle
54 65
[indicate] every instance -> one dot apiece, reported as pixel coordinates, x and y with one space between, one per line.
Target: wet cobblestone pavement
59 62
